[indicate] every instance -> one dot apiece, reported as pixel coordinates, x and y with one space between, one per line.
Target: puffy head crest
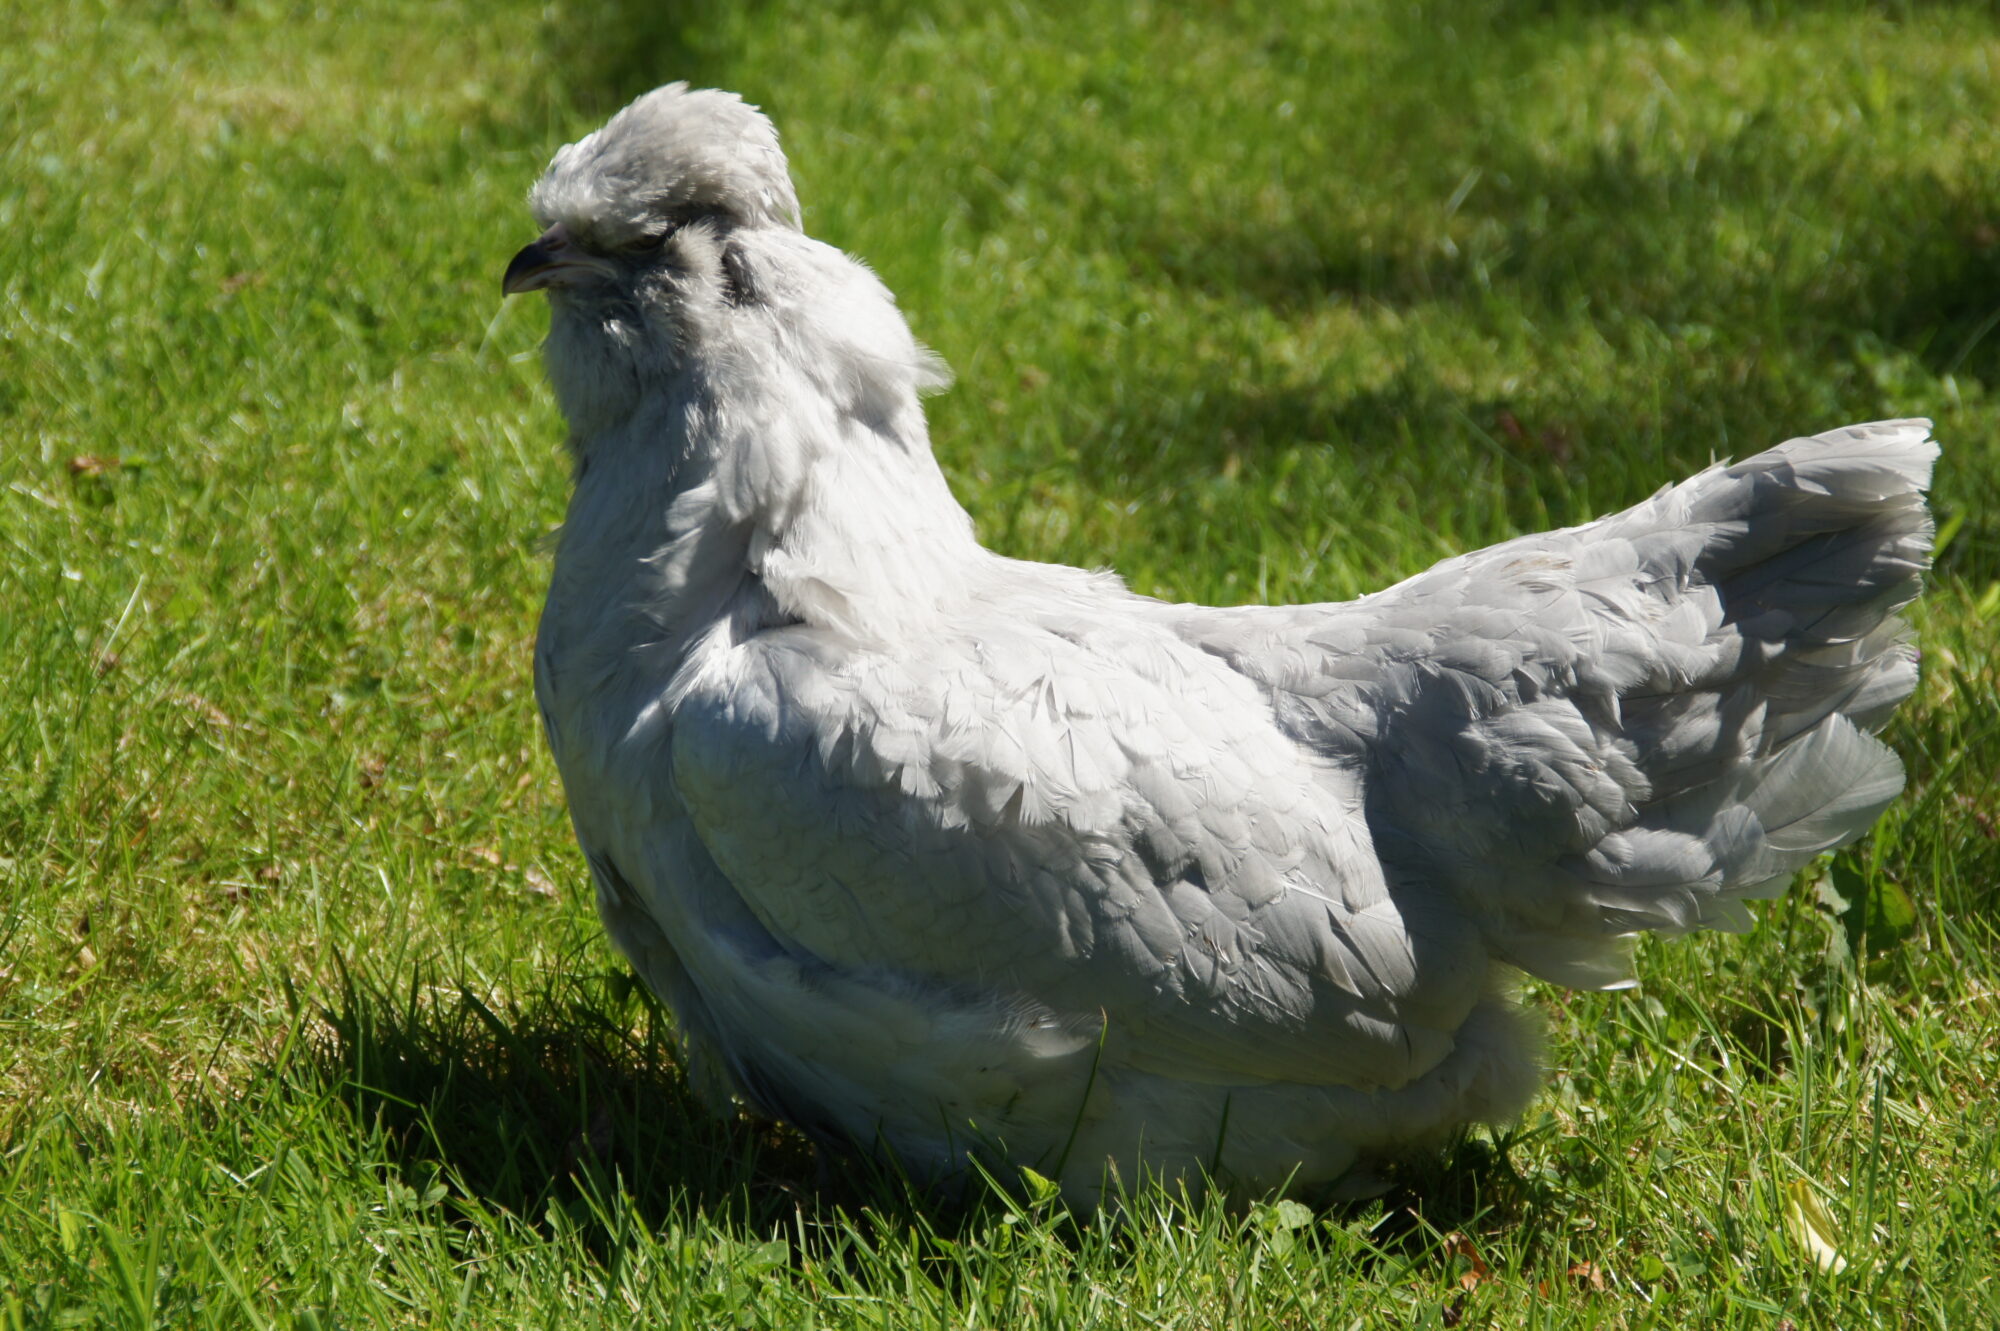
674 150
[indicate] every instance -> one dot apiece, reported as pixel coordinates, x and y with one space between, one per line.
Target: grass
304 1018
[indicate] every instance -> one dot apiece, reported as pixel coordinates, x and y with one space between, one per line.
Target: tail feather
1750 744
1766 761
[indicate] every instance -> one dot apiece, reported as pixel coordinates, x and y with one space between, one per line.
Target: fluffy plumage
935 851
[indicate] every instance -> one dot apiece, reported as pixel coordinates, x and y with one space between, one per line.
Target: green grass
304 1017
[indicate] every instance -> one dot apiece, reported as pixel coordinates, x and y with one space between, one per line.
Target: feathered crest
702 150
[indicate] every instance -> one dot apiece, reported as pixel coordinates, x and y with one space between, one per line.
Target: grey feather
945 853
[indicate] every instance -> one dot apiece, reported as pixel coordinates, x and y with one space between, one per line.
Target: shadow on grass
1422 423
1754 351
573 1102
1796 282
1768 227
1917 265
611 52
537 1105
1469 1188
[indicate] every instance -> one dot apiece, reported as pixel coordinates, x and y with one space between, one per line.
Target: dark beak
549 262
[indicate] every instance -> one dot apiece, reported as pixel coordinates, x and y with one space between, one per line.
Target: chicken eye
650 242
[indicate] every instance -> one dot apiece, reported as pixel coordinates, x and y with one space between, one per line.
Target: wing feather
1169 859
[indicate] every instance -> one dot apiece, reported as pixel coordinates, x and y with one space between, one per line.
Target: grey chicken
938 852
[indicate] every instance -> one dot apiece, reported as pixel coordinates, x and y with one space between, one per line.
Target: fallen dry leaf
214 715
1458 1245
1812 1228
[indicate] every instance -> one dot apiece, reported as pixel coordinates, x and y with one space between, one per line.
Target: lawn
305 1019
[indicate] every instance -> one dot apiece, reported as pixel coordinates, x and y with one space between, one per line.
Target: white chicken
943 854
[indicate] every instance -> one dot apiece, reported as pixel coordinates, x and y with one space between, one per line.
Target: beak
549 262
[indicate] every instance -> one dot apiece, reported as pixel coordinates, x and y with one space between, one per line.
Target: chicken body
938 852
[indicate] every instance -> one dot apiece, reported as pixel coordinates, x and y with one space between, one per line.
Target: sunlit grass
304 1017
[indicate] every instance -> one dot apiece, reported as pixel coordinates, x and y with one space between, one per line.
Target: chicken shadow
564 1099
574 1101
